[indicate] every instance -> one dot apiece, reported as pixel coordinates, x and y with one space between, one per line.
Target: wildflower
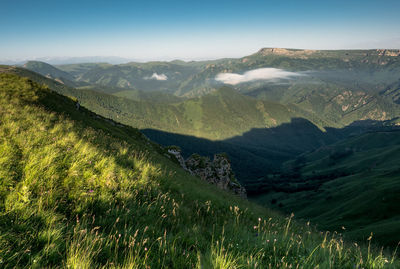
259 219
145 249
343 228
255 227
90 191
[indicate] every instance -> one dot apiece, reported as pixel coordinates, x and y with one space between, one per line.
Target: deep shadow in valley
262 150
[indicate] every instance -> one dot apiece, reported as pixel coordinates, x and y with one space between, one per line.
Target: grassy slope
221 115
47 69
50 71
79 192
362 194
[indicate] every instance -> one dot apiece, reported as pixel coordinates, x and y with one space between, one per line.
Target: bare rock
217 172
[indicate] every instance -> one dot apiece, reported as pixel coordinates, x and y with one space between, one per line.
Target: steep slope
338 105
393 92
257 135
52 72
352 184
225 115
78 191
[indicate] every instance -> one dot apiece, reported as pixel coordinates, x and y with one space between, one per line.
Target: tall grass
79 192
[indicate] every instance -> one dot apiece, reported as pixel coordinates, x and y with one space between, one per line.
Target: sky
191 30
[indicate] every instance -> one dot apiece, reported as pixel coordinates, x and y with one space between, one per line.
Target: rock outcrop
177 153
390 52
286 52
217 172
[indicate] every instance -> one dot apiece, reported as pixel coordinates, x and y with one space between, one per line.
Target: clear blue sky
202 29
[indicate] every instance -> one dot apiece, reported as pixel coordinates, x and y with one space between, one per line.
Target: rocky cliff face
285 52
392 53
217 172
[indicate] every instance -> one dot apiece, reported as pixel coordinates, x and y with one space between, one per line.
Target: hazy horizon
60 60
191 31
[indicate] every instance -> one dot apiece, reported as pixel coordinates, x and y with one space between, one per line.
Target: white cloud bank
157 76
256 74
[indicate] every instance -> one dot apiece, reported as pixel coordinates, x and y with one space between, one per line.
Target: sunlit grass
78 192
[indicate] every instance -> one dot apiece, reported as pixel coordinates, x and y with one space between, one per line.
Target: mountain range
295 124
79 190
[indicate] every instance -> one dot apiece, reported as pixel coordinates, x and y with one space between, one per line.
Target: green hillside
360 69
151 76
134 94
352 184
226 120
365 70
77 70
79 191
155 97
257 134
52 72
339 86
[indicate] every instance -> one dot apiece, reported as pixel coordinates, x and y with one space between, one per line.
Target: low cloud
156 76
272 74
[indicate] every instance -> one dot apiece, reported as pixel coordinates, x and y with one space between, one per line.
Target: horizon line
125 60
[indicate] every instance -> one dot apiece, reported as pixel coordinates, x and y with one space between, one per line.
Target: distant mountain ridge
364 68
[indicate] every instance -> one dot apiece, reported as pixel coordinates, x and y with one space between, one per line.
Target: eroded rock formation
217 172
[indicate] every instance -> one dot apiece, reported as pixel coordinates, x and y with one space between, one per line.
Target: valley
310 132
